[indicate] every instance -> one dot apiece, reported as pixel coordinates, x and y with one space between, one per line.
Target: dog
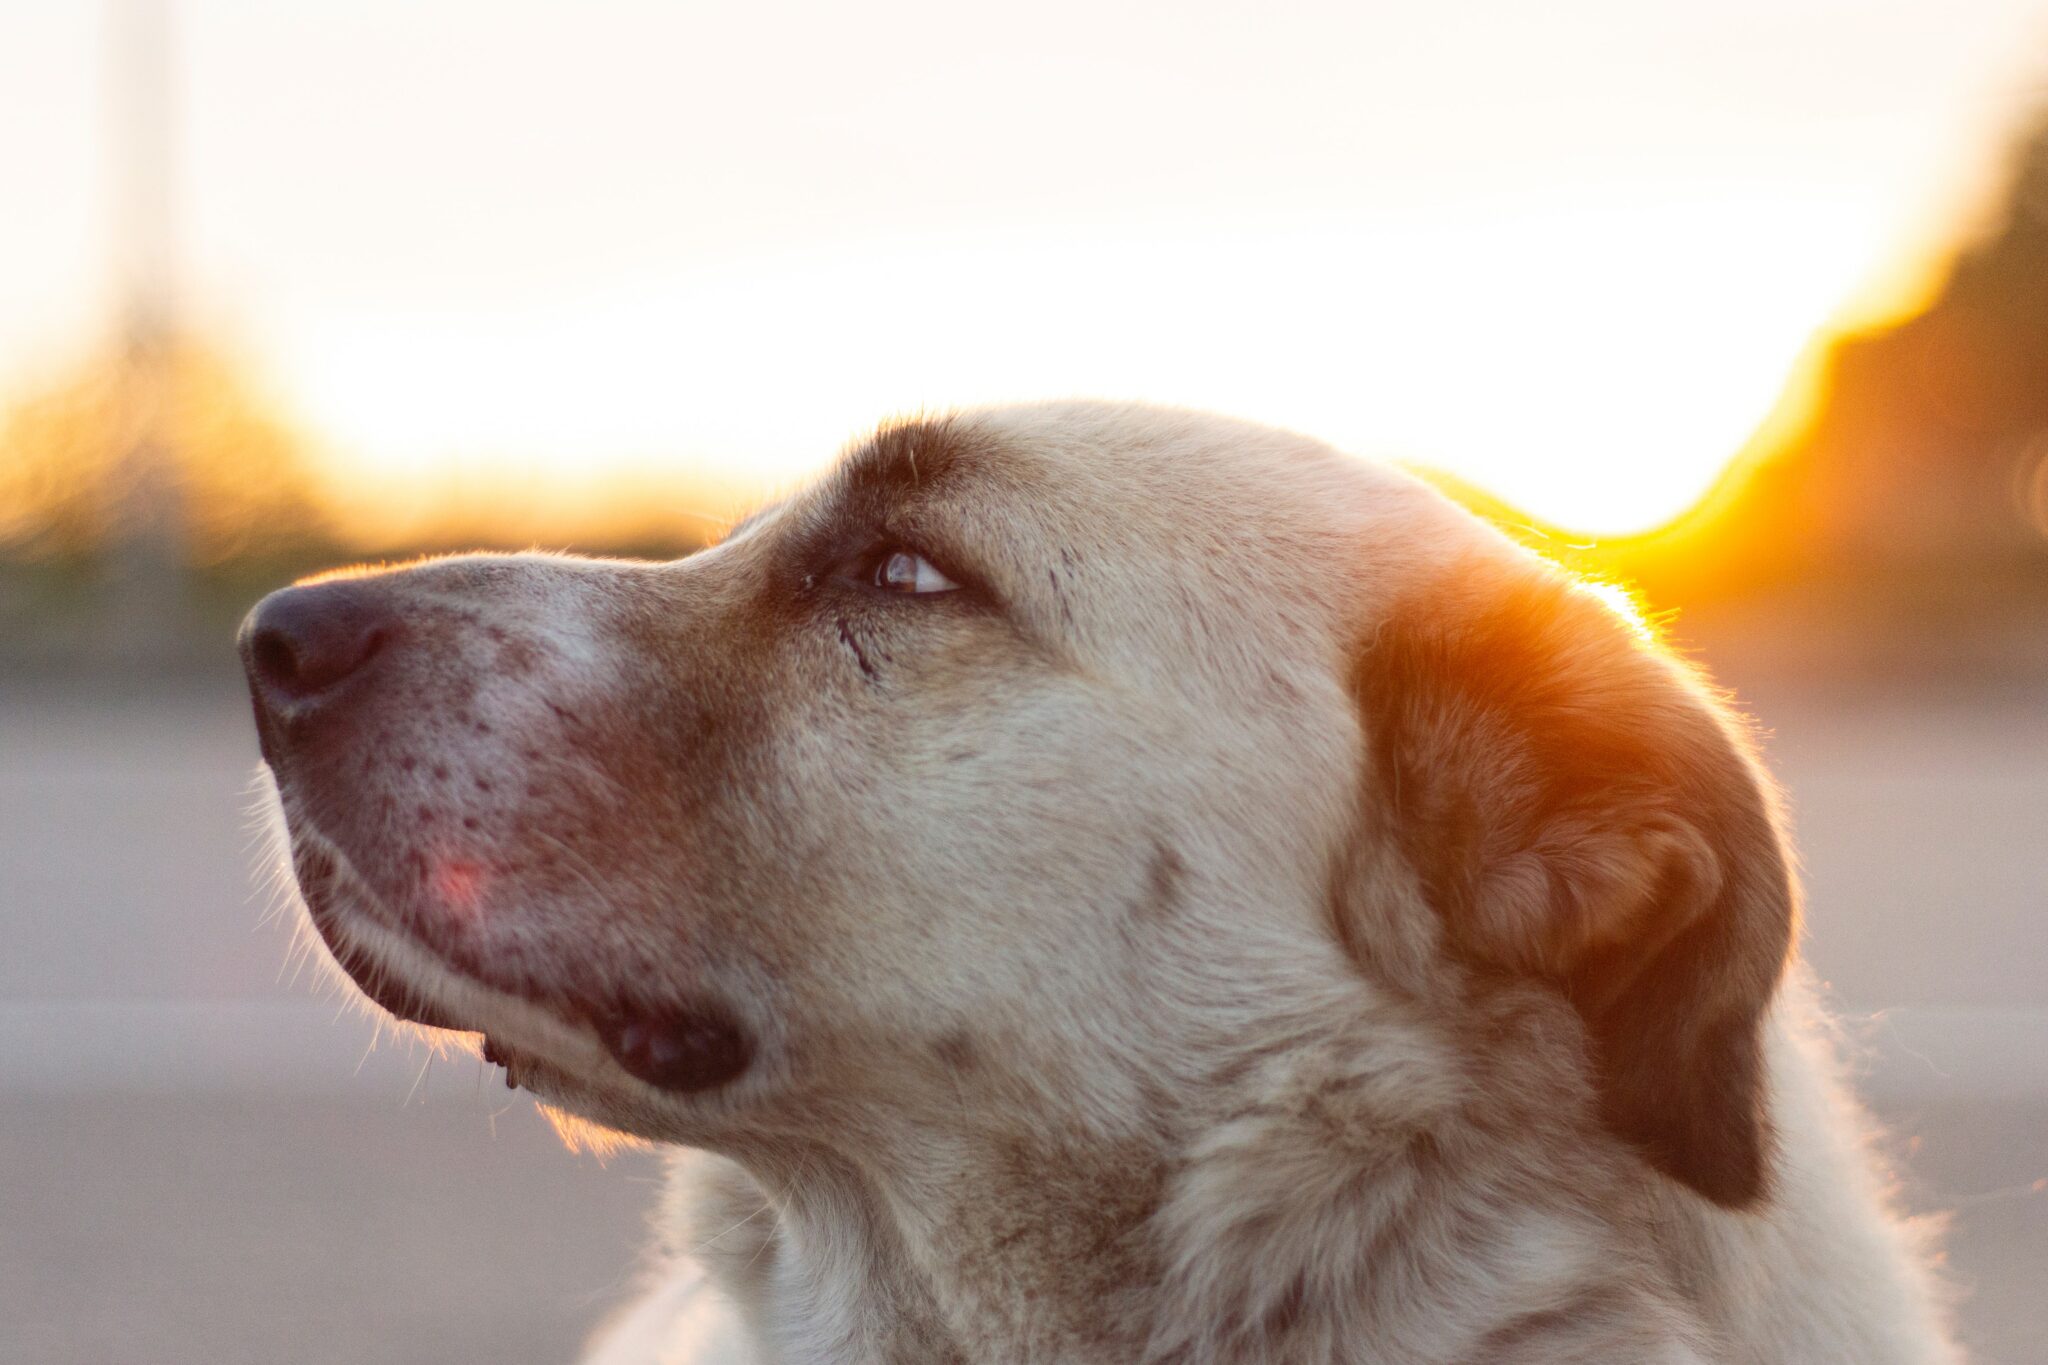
1099 884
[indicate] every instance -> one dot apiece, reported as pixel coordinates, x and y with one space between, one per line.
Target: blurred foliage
1909 458
165 435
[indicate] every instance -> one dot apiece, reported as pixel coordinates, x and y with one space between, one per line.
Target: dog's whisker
712 1241
580 867
425 1065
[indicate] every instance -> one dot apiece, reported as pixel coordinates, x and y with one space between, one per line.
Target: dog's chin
586 1055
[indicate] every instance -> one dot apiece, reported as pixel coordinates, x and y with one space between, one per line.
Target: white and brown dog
1108 885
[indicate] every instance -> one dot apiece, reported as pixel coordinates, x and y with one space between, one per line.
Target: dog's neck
1276 1228
990 1250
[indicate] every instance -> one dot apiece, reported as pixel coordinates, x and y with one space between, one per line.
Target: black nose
300 643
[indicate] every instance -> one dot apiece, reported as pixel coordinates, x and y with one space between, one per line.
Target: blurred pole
147 558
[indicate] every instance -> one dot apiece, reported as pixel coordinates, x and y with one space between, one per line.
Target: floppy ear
1581 810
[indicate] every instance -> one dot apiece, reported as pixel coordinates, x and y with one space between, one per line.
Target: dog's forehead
1131 467
1204 486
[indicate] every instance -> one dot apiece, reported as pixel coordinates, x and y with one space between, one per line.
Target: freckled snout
437 734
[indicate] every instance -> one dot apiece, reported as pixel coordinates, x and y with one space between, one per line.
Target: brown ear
1581 810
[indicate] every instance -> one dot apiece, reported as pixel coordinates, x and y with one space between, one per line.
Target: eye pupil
898 571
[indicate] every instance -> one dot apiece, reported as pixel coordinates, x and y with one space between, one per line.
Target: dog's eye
895 569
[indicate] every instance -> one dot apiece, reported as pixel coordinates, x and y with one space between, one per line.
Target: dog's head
1032 769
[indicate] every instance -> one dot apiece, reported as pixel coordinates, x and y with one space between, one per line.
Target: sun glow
1623 604
1595 362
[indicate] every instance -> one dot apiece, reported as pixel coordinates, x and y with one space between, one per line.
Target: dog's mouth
682 1049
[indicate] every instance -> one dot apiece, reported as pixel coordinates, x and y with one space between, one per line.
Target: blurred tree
1931 434
233 470
1908 459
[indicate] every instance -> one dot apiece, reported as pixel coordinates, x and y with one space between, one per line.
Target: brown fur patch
958 1051
1164 880
1578 810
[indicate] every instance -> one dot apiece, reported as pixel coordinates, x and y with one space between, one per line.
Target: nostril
302 642
272 656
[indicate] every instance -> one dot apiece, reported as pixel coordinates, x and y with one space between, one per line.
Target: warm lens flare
458 887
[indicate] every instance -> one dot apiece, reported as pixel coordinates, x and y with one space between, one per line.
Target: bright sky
1567 251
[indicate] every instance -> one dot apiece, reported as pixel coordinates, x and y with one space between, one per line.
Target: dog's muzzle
317 659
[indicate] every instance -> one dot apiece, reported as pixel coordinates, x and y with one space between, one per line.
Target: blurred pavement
204 1163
